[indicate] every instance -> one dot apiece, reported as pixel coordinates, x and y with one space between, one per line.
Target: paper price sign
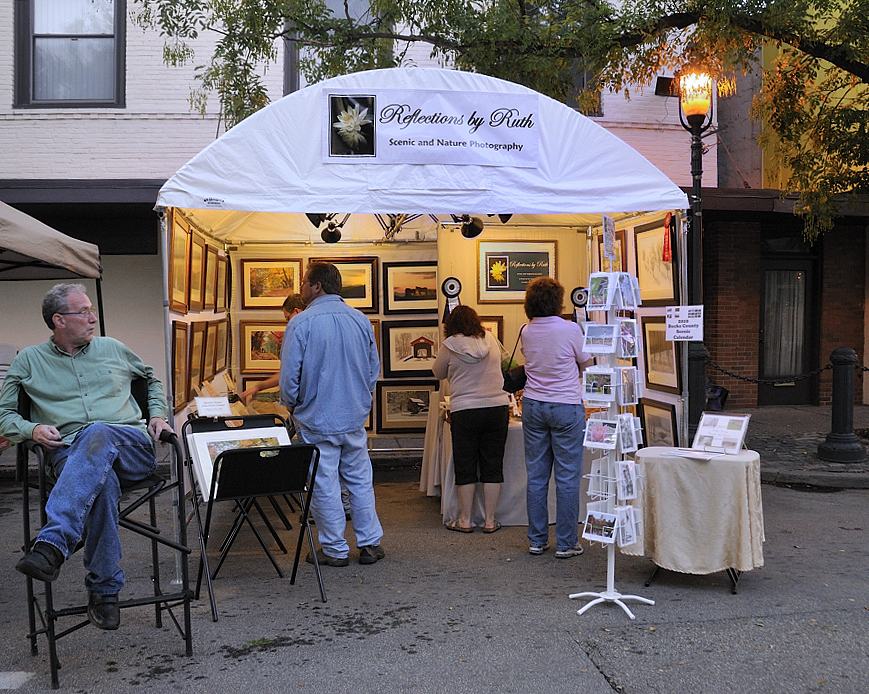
685 323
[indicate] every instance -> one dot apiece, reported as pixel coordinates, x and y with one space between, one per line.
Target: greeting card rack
610 433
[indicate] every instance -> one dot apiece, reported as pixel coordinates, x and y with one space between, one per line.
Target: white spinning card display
609 433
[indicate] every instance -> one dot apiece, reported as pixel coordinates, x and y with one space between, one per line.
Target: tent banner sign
416 126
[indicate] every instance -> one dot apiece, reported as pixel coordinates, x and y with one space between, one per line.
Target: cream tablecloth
698 516
437 477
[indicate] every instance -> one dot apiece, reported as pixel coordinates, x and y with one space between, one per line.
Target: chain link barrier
774 381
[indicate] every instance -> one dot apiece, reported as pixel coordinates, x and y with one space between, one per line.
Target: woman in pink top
553 417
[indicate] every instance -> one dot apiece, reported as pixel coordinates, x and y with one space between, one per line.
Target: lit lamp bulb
695 93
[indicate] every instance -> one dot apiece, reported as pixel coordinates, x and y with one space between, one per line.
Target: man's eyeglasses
92 310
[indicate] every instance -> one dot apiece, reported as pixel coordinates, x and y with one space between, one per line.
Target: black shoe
370 554
323 558
104 611
43 562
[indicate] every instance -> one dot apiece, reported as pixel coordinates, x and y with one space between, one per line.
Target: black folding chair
136 495
244 475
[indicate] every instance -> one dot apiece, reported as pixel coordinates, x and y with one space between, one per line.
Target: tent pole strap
99 284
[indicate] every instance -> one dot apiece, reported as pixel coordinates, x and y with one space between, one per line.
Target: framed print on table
197 273
194 364
179 266
260 345
410 287
620 264
504 268
358 281
656 276
495 325
266 283
179 365
403 406
660 356
659 423
409 347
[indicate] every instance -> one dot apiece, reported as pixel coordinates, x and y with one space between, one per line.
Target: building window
70 53
584 83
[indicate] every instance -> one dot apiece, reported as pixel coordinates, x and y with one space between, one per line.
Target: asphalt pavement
447 612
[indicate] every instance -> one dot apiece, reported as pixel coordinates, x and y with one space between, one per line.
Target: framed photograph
222 328
659 423
194 363
656 276
197 273
504 268
179 365
260 345
210 350
495 325
266 401
601 433
600 527
660 356
220 286
179 264
266 283
599 338
210 290
620 264
403 406
409 347
410 287
358 281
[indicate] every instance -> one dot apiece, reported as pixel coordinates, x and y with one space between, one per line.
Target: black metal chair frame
142 492
243 476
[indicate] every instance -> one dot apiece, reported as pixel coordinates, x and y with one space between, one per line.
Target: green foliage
813 103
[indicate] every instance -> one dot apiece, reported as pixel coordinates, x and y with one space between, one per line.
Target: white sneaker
567 553
537 549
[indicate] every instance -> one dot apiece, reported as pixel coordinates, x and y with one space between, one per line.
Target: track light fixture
471 226
332 232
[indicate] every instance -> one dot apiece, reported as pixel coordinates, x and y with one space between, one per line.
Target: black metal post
842 444
697 353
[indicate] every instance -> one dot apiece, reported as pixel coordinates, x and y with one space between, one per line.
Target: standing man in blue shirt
329 368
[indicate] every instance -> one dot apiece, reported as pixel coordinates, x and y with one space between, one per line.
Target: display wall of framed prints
409 347
194 362
179 270
403 406
620 264
197 273
504 268
260 345
656 276
659 423
660 356
358 281
410 287
220 285
179 365
495 325
209 291
265 283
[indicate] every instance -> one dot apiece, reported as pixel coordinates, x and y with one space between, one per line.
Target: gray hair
56 300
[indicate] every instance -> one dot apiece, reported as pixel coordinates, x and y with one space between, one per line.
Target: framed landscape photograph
403 406
504 268
620 264
220 288
222 327
197 273
660 356
194 364
210 350
358 280
409 347
659 423
179 265
266 283
179 365
657 277
410 287
210 291
260 345
495 325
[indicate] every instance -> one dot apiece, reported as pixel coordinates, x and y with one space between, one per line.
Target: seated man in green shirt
84 414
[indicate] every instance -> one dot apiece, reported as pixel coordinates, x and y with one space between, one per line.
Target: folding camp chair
252 459
137 494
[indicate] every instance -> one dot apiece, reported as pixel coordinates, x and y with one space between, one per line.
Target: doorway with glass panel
787 333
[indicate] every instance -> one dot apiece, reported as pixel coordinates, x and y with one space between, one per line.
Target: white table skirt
437 477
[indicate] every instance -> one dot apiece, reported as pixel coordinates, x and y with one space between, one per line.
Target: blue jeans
553 435
84 501
343 461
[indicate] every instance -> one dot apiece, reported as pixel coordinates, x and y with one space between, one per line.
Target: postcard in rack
601 433
598 385
599 338
601 290
600 527
721 433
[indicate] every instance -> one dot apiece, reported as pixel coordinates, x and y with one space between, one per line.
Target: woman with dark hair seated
553 417
470 357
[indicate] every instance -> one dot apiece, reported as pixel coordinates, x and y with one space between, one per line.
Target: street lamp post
695 114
